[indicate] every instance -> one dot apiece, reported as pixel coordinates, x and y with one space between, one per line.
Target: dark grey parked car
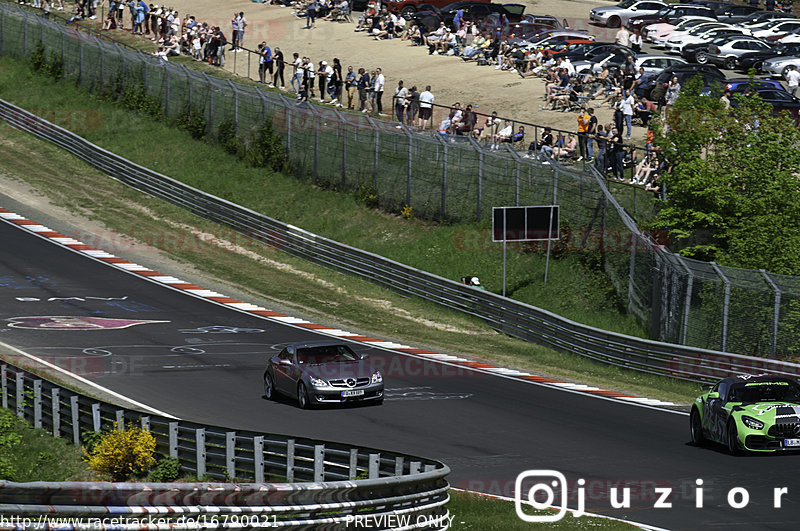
322 372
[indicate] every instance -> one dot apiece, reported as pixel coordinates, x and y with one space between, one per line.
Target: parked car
551 38
734 13
654 64
754 59
780 99
657 34
613 60
762 16
478 12
676 44
698 52
655 88
320 372
779 66
777 31
407 8
671 15
616 16
727 54
591 51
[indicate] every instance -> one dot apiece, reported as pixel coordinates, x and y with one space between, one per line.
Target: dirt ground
451 79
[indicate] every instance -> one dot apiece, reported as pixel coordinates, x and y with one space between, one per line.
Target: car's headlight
318 382
752 423
376 377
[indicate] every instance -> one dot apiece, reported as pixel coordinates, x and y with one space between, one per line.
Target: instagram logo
535 491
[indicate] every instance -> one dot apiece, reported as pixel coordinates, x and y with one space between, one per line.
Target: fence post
20 388
25 38
210 101
319 462
374 466
776 313
688 302
258 458
76 420
167 84
235 106
37 403
631 270
80 61
55 404
410 168
102 65
414 467
173 439
343 124
398 466
725 305
353 473
230 454
188 83
479 149
96 416
290 461
4 385
120 418
200 451
444 176
316 145
517 162
146 423
3 32
375 152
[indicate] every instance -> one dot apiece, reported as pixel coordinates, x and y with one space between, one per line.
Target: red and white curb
188 287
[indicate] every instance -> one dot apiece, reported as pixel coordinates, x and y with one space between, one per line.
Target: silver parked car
322 372
615 16
653 64
779 66
727 54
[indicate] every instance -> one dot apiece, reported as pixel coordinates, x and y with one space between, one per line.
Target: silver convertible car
322 372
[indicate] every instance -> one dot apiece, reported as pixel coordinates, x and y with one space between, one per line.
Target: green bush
137 100
367 194
168 469
226 136
266 149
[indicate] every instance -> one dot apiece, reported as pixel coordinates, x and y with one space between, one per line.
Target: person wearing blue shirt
459 16
264 62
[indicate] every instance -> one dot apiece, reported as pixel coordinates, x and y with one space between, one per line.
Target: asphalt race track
204 362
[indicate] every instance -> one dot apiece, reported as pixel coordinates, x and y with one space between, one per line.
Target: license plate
791 442
359 392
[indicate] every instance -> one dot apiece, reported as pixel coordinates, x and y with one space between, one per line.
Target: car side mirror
363 356
713 395
284 362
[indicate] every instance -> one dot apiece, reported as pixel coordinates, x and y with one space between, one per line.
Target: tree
733 192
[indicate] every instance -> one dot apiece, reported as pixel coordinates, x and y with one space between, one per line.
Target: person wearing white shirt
378 88
627 110
793 79
425 106
623 38
566 63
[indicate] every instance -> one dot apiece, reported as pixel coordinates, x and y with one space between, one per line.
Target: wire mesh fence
680 300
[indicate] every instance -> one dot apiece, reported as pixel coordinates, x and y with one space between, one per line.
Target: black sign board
528 223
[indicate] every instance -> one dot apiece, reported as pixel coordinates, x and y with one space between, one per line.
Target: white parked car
779 30
659 33
679 39
615 16
653 64
676 46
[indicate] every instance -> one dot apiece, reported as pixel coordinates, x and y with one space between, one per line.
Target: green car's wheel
696 428
733 439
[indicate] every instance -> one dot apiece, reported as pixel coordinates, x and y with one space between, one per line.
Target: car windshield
777 391
325 354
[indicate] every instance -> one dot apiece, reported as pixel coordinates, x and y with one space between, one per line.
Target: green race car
753 413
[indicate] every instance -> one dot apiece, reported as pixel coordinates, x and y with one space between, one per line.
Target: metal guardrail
309 484
505 315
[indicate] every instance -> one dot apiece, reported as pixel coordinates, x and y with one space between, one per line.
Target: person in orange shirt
583 128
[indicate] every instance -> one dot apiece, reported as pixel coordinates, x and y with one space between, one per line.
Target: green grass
296 286
480 513
38 456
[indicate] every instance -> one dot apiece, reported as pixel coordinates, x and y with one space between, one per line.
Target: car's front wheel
701 57
733 439
408 12
302 396
269 386
696 428
614 22
730 63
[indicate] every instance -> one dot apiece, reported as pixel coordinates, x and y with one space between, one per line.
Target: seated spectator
567 148
645 169
544 146
467 123
490 127
563 100
339 9
503 135
644 110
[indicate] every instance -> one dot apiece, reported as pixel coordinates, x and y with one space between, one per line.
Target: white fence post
37 403
55 403
173 439
230 454
319 462
258 458
200 452
374 466
290 461
76 421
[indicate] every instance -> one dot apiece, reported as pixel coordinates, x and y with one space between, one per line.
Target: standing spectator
601 162
363 84
769 5
222 42
279 66
239 23
627 110
426 100
413 105
623 37
297 72
350 83
726 99
616 154
619 116
636 40
583 129
264 62
673 91
400 102
311 13
793 79
338 82
324 73
378 88
591 129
